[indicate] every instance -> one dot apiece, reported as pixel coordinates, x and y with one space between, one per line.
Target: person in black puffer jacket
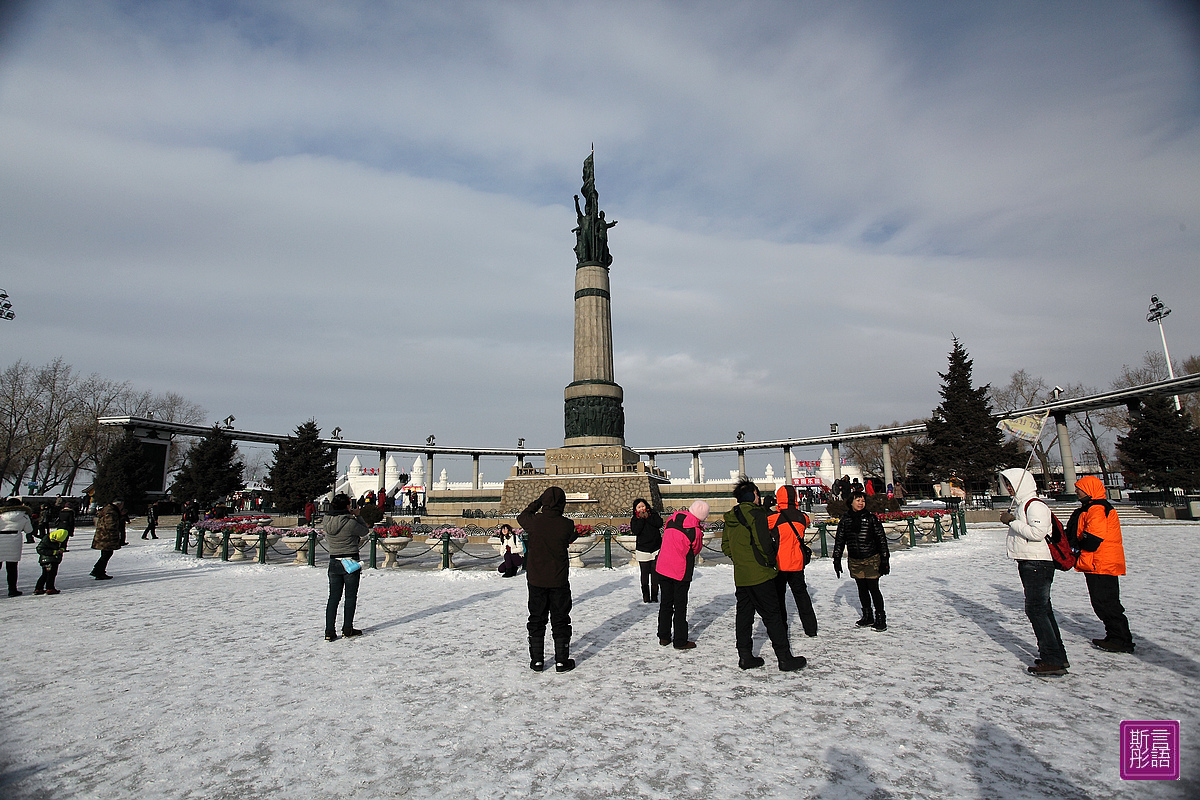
647 526
861 533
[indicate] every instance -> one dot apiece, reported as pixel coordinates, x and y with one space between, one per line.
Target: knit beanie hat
699 510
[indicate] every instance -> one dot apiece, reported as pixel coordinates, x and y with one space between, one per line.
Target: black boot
749 661
868 619
537 653
562 652
880 622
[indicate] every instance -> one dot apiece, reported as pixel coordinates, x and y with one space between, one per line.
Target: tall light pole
1155 314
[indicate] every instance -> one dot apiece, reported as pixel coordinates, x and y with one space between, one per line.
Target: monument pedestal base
609 494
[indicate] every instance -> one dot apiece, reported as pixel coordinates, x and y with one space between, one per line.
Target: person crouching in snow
861 534
1095 527
511 563
547 572
682 538
50 554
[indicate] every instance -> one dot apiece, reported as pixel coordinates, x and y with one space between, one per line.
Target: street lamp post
1155 314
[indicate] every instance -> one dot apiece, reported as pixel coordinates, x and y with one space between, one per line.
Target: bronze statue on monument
591 231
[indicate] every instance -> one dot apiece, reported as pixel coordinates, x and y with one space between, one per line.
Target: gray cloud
362 211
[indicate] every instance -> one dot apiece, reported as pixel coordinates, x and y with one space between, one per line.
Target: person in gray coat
344 533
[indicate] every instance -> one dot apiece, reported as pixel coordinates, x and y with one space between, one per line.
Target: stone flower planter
577 548
391 546
300 545
212 543
456 546
629 542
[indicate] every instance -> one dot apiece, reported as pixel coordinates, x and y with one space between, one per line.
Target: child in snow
50 554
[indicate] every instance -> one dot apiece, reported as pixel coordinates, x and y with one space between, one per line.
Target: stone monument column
594 412
599 474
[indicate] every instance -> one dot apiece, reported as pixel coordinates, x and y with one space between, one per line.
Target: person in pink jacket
683 536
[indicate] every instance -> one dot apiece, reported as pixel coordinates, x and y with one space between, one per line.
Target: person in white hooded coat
15 523
1029 524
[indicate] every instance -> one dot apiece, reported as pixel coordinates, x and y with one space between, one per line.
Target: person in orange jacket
789 525
1097 531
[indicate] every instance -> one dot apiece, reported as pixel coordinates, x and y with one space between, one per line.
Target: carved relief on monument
594 416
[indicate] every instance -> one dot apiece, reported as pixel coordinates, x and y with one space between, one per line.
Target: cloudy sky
361 211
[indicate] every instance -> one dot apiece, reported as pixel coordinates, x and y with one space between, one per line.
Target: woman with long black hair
647 526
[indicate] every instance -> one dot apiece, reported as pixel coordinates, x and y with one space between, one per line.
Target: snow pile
201 679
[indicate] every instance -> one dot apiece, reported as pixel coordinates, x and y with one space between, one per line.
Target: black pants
102 562
672 611
808 617
46 579
151 527
763 600
11 568
553 603
510 565
868 590
1105 591
649 580
340 580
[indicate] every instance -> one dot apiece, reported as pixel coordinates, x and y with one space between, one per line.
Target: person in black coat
548 533
647 526
861 534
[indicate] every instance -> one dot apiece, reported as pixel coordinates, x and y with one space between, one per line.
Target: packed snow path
201 679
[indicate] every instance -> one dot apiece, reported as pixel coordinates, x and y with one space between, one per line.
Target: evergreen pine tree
124 473
211 470
302 470
1162 448
962 438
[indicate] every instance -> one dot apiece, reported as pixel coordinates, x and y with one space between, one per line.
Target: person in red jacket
789 525
1097 530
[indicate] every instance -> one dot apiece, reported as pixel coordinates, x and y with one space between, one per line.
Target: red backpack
1060 548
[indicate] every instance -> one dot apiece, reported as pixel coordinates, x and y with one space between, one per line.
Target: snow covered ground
200 679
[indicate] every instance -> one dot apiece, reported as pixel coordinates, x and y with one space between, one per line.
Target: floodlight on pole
1155 314
6 311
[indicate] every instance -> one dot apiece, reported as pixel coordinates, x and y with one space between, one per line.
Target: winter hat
699 510
554 499
59 535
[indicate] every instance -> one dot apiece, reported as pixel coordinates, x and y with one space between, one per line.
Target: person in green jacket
752 547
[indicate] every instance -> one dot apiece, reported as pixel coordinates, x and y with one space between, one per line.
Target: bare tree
868 453
1153 368
18 403
48 428
1024 390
